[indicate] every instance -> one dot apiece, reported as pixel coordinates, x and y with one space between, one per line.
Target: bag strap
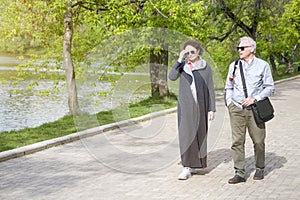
235 64
243 80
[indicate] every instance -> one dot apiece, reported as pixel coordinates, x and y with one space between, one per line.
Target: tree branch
222 38
233 17
257 6
101 7
95 7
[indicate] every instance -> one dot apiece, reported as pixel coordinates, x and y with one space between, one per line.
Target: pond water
29 109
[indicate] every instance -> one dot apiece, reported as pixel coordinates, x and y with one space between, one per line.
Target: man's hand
248 102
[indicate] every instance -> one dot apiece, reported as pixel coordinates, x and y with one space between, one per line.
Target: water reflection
18 111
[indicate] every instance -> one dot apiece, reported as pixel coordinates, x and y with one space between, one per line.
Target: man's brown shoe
236 179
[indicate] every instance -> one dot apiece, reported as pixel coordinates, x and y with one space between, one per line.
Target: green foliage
29 24
277 29
281 71
39 25
271 23
37 31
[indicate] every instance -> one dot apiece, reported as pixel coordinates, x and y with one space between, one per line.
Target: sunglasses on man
242 48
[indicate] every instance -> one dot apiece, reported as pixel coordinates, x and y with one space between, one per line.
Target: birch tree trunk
68 63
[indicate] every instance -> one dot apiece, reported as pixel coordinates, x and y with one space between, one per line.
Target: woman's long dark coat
193 114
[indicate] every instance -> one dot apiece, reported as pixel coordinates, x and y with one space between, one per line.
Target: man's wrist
257 98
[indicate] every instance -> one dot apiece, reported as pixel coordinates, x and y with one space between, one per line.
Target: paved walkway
141 162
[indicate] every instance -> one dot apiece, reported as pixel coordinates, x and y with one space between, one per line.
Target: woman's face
192 53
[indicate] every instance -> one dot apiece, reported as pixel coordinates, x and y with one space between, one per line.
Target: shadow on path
215 158
272 163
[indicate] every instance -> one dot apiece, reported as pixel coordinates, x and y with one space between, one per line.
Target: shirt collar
250 61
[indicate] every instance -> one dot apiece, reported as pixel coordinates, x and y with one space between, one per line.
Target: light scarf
188 68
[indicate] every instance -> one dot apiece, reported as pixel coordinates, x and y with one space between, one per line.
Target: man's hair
195 44
251 41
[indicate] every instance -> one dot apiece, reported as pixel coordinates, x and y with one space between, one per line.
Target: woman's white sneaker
193 171
185 174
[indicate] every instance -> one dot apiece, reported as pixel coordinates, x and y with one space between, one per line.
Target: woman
196 105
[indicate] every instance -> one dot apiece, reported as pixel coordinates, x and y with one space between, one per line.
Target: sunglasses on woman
190 52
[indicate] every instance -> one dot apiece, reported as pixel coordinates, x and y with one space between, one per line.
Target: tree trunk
272 61
163 74
158 73
68 63
288 64
154 71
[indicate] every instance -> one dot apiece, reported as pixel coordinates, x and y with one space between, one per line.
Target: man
259 84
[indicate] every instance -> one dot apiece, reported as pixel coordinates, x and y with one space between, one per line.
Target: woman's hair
195 44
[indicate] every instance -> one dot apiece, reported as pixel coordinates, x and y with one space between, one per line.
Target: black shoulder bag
263 110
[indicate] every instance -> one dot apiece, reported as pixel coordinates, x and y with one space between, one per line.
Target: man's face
192 53
245 49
